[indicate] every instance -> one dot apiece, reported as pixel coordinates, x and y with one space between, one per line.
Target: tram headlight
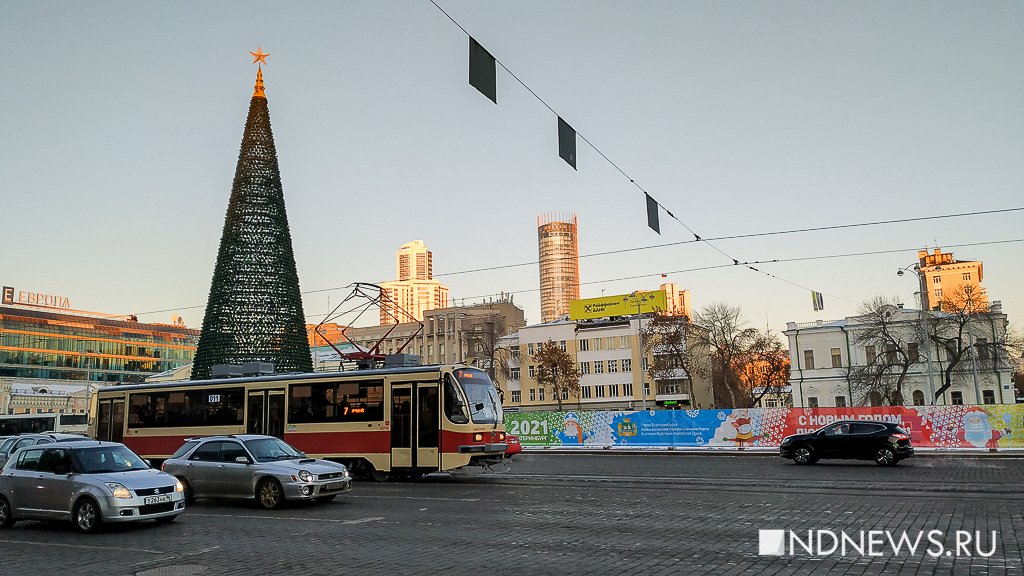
305 476
478 437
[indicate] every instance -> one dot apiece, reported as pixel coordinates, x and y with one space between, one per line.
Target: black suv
882 442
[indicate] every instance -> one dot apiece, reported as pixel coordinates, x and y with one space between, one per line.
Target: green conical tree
254 313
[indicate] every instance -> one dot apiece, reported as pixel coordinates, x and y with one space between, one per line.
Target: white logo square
771 542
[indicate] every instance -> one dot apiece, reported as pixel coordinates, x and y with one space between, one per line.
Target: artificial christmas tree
254 313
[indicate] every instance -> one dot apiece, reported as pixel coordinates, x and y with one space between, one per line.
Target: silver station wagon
252 466
88 482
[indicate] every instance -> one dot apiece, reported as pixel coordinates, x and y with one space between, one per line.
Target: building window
958 397
627 389
809 359
983 350
541 393
627 365
533 394
938 292
913 352
515 353
840 401
513 373
918 397
812 401
561 344
967 276
597 344
647 389
599 391
988 396
837 358
611 342
584 368
532 371
584 345
598 366
623 341
613 390
517 396
613 366
936 280
643 363
529 348
586 392
565 394
890 354
869 353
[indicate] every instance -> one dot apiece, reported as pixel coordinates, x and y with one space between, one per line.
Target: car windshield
484 405
7 444
107 459
271 449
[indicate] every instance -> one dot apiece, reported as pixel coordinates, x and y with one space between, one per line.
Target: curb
764 452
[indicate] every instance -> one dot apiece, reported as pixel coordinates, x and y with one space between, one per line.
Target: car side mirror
242 460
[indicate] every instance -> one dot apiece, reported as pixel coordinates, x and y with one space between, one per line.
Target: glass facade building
40 343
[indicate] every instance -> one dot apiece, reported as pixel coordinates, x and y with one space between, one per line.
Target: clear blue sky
120 124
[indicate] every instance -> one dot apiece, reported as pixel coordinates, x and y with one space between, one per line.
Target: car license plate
334 486
157 499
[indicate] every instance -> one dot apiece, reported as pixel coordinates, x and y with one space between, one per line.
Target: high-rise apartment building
414 261
415 291
558 244
942 276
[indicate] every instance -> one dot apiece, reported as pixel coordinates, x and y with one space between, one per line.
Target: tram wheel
379 476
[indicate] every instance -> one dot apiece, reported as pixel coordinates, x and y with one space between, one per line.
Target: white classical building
822 354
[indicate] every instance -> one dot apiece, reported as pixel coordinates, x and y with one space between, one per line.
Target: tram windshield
484 404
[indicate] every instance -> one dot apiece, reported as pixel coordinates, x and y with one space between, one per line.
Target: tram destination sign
12 296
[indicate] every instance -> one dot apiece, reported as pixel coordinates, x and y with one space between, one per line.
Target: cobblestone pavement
578 514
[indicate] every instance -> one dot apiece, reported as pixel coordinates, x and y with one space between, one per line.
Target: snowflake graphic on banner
772 424
945 424
602 427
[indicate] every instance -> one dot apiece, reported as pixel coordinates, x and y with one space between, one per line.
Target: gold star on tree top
259 56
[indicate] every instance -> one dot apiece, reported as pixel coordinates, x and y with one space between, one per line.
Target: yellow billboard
619 305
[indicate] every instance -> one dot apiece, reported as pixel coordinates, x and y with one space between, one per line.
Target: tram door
401 426
415 425
265 413
110 420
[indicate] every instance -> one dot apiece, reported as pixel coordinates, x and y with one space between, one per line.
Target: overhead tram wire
741 236
697 237
657 274
748 264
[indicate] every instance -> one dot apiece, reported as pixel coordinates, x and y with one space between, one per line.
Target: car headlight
178 486
118 490
344 473
305 476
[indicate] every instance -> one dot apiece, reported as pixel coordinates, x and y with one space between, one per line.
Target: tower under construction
558 244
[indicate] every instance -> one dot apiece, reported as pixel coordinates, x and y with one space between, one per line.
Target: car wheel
190 497
87 516
269 494
804 455
6 514
885 457
326 499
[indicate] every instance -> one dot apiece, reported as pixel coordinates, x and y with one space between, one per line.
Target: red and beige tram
408 420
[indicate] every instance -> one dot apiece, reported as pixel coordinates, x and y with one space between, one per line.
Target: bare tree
893 339
675 359
725 334
763 367
556 371
963 313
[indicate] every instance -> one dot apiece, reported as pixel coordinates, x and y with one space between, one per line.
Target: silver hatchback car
252 466
87 482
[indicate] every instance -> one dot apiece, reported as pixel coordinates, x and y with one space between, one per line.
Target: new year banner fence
991 426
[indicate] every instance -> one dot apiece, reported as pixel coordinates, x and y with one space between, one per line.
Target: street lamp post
916 269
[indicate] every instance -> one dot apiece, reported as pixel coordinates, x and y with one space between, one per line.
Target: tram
381 422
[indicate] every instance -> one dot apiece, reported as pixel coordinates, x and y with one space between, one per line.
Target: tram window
354 401
454 407
216 407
